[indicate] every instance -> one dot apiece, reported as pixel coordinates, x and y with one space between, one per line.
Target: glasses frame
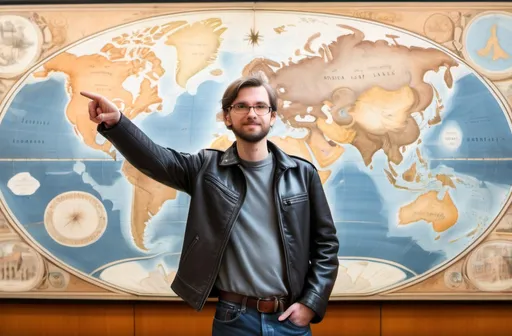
231 108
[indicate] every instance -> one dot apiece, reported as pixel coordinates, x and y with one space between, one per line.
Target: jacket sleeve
165 165
324 245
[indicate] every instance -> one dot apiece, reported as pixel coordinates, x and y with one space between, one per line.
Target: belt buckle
276 304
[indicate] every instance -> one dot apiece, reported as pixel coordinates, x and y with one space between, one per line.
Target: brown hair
254 80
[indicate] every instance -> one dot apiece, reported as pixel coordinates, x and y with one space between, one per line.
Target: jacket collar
230 156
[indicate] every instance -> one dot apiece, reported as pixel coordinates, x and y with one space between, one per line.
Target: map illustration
411 137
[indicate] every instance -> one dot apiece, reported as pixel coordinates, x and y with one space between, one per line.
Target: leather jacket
216 185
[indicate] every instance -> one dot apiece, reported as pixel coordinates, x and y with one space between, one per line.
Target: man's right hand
102 110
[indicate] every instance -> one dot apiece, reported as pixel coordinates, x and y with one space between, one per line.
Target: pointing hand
102 110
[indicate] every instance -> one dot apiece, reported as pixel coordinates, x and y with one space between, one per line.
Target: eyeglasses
260 109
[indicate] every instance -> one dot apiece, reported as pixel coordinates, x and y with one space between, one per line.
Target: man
259 234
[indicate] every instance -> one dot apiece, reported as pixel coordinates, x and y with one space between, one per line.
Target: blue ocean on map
56 178
485 130
35 125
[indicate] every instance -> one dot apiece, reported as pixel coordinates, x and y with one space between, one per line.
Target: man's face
250 126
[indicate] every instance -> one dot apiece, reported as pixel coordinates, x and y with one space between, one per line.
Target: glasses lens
244 109
261 109
240 108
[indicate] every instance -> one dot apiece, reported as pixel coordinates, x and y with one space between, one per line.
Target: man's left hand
299 314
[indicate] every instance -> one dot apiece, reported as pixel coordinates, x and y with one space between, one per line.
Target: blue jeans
234 319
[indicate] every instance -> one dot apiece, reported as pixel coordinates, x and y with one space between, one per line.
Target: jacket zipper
226 240
295 199
231 195
190 246
285 249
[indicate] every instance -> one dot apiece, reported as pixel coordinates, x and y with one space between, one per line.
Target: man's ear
273 117
227 120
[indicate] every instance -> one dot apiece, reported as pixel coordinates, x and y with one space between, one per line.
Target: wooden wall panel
350 318
59 318
172 318
447 318
125 318
163 318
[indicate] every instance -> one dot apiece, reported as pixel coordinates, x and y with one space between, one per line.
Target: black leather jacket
216 185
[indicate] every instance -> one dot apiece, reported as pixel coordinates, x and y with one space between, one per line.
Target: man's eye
240 106
261 107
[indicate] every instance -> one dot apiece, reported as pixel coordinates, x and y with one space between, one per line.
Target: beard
252 137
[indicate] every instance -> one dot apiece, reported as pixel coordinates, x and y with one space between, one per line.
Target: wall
31 318
480 250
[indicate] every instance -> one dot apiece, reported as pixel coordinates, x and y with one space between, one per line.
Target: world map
412 145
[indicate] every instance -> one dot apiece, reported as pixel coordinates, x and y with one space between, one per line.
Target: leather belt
263 305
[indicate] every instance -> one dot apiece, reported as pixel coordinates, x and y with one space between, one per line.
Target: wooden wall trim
19 317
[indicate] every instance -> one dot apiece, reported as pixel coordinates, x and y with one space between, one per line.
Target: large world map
408 139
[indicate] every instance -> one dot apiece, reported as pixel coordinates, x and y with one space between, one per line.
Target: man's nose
252 112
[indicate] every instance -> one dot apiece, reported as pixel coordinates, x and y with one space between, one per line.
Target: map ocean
36 137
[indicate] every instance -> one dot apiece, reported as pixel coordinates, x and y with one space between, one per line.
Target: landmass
221 143
197 45
436 119
442 214
131 55
216 72
105 72
382 120
148 198
392 170
410 174
366 91
99 74
470 234
23 184
445 180
280 29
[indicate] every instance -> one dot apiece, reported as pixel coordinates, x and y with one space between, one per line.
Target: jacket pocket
189 248
291 200
215 183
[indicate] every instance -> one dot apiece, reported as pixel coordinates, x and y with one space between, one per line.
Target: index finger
91 95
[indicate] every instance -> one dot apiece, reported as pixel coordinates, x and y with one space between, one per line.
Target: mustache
251 123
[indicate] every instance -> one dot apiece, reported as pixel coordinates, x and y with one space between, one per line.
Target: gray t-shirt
253 262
